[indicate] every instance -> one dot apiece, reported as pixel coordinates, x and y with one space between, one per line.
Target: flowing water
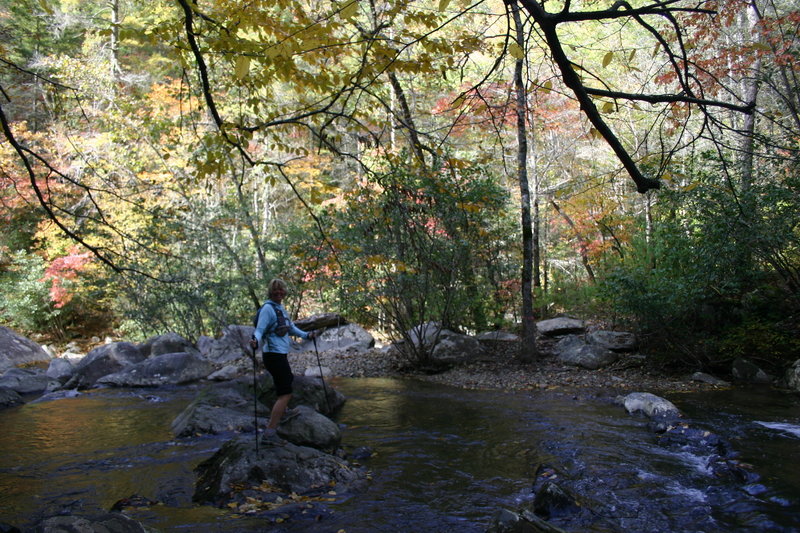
445 459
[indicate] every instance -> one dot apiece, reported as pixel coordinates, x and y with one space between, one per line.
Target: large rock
444 348
16 350
60 369
560 326
616 341
28 381
793 376
498 336
102 361
108 523
167 343
230 406
283 465
9 398
164 369
219 408
350 337
306 427
572 350
233 345
651 405
746 371
309 391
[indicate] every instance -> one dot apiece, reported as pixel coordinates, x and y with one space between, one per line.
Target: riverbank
501 371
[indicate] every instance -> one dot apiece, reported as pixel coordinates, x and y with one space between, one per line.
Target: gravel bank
500 371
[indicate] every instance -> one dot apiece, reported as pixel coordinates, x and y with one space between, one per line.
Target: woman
274 327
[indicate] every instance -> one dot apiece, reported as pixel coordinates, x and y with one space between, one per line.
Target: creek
444 459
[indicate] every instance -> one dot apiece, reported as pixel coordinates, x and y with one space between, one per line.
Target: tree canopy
179 152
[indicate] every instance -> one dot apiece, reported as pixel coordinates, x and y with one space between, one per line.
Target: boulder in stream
651 405
102 361
280 466
9 398
221 407
164 369
306 427
28 381
310 391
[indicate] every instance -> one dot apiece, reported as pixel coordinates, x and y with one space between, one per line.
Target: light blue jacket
267 322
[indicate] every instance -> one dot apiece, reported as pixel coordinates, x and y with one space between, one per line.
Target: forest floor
500 370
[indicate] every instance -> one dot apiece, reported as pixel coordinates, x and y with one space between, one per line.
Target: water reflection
445 460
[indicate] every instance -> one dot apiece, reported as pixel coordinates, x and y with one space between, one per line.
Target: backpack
281 327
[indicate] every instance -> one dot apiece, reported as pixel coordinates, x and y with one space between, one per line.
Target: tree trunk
528 351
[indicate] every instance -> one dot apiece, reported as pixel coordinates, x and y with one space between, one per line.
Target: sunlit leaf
443 4
242 67
515 51
608 58
350 10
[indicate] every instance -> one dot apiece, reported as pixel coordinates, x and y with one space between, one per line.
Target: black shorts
277 364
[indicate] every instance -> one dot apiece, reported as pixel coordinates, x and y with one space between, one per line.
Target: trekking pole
319 364
255 399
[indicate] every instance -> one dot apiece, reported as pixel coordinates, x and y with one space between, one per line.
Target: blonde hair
274 285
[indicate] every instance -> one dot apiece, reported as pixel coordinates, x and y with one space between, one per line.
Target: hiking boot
289 414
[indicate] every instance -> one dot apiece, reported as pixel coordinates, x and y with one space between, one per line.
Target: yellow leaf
515 51
633 54
47 9
548 85
608 107
607 58
443 4
242 67
691 186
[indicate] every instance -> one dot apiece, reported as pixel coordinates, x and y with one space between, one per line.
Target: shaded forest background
399 162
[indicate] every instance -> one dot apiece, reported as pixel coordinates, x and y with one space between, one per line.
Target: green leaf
350 10
47 9
242 67
607 58
608 107
515 51
443 4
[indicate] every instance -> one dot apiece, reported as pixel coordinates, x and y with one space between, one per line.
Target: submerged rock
108 523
